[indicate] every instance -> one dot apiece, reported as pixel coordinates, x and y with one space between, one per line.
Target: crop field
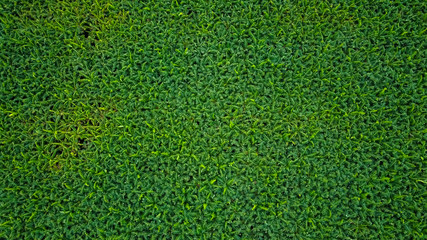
213 119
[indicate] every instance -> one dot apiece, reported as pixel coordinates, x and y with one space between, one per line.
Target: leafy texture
213 119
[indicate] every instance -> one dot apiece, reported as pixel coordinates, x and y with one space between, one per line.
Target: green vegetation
213 119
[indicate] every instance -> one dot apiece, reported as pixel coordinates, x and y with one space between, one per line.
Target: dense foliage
213 119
